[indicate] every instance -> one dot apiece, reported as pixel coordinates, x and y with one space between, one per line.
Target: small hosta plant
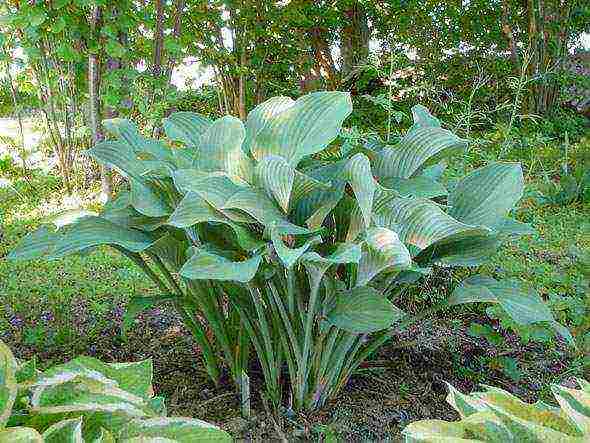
497 416
266 237
86 400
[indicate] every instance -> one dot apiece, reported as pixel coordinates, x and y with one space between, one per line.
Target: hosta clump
87 400
497 416
263 241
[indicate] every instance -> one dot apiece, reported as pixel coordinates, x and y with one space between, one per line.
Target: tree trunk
158 39
509 35
95 108
354 39
323 57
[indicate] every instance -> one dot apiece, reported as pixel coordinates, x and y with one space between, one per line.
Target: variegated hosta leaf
524 306
306 127
204 265
194 209
497 416
221 149
485 196
8 386
261 115
186 127
65 431
363 310
87 233
575 404
382 250
419 147
421 223
172 429
20 435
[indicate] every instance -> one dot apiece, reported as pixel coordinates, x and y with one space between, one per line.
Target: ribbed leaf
288 255
524 306
576 405
86 233
186 127
221 149
8 386
204 265
306 127
423 118
276 176
147 148
485 196
456 251
65 431
382 250
194 209
362 310
172 429
421 223
316 265
358 174
419 187
261 115
419 147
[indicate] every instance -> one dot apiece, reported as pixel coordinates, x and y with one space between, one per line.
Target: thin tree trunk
95 108
509 35
158 39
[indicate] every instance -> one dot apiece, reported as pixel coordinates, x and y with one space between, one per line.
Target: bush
261 237
87 400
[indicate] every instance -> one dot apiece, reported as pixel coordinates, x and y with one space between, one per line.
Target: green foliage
292 248
496 415
87 400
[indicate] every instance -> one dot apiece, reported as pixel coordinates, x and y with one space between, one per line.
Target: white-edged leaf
19 434
8 386
177 429
65 431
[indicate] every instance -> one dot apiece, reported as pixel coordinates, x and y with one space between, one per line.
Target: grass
59 309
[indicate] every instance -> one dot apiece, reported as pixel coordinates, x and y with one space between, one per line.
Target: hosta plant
86 400
267 237
497 416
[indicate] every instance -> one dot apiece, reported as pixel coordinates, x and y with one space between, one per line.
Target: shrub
261 237
497 416
87 400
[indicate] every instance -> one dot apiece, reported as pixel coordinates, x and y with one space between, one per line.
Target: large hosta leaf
86 233
421 223
420 187
261 115
186 127
146 148
173 429
304 128
8 387
194 209
419 147
221 149
485 196
358 174
423 118
524 306
276 176
204 265
363 310
382 250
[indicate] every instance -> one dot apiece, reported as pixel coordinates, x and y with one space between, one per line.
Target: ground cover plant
259 238
87 400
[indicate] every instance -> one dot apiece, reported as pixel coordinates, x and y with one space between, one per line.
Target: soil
403 382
